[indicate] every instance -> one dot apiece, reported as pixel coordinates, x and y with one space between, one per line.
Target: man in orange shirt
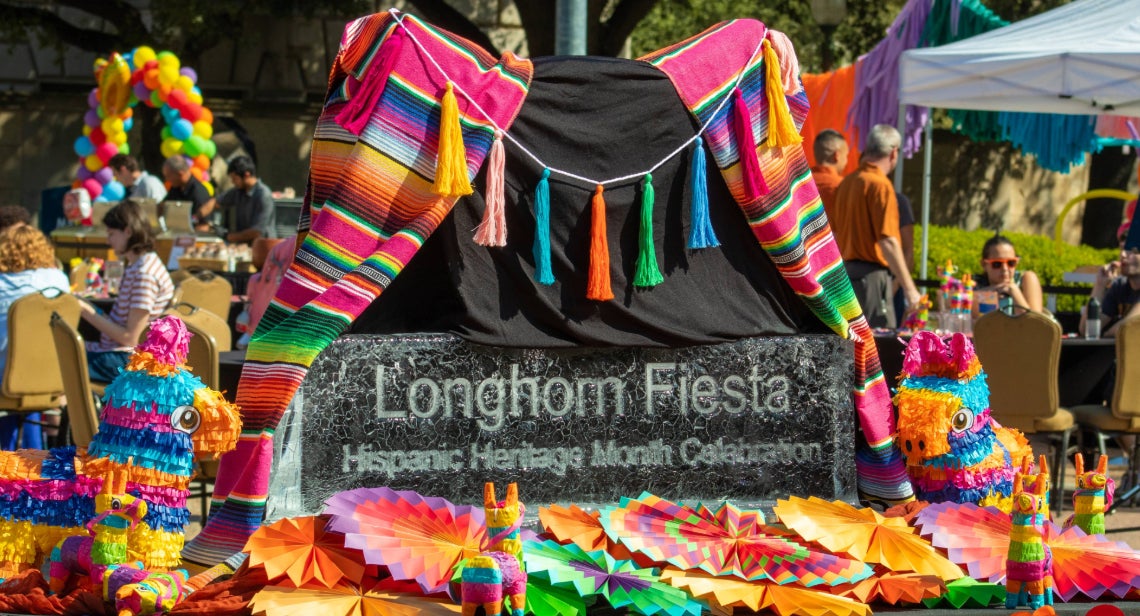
866 227
830 149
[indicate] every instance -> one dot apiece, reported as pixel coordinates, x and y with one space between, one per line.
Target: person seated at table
248 206
139 183
1117 286
12 215
27 265
185 187
1015 288
144 292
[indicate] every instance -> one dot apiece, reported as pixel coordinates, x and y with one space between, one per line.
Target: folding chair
82 402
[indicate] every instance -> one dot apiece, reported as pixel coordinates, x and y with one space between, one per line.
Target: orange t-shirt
866 211
827 181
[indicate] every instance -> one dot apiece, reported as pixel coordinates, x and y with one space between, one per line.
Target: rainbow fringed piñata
954 449
156 419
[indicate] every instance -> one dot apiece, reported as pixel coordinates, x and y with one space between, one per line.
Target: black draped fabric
598 118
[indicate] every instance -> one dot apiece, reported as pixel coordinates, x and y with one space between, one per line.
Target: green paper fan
968 592
597 573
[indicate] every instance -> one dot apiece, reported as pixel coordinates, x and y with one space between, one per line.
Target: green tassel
647 274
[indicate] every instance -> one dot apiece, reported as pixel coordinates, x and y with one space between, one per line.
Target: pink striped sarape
369 207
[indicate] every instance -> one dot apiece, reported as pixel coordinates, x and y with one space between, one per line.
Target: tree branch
124 16
441 14
58 28
627 14
539 20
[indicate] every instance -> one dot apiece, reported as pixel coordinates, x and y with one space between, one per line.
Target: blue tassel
701 234
542 271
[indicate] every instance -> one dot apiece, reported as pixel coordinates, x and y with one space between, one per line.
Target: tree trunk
1109 168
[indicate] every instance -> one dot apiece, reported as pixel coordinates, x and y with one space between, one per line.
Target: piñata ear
1102 464
924 351
512 495
1079 462
489 495
962 356
1018 486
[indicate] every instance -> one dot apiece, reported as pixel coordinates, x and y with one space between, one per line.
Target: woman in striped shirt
144 292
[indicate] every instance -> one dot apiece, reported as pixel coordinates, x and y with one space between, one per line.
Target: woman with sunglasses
1015 288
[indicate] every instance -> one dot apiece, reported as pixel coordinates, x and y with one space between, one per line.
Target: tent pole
902 131
927 151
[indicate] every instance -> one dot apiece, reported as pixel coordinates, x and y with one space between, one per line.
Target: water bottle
1092 319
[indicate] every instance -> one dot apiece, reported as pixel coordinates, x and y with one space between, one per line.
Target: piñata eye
116 503
185 419
962 420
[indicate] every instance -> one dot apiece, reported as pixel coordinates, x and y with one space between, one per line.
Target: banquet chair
210 335
1122 415
82 403
1020 355
32 379
208 291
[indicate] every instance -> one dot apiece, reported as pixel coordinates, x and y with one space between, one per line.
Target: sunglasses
1010 263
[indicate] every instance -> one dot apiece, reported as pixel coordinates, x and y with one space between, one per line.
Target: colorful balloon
114 191
104 176
143 55
182 129
84 147
93 187
203 130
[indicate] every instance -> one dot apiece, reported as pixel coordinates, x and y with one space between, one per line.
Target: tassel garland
542 271
754 184
451 165
354 115
781 128
647 274
598 281
493 230
701 234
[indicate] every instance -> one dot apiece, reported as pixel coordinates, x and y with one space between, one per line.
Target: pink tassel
754 184
493 230
789 64
354 115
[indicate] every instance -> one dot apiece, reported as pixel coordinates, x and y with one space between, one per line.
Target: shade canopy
1081 58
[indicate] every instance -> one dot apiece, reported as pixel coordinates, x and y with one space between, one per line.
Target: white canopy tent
1082 58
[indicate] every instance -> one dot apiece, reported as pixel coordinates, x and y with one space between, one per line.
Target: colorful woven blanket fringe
370 206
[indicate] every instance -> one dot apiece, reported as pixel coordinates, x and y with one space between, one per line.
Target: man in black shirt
185 187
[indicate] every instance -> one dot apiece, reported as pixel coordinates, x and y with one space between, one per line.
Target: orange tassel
781 127
598 282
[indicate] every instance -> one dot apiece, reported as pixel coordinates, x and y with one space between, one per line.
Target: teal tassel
647 274
701 234
542 271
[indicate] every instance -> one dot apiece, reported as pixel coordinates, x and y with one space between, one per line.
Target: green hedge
1038 253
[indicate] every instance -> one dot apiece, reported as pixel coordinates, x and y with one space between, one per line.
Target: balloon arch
159 81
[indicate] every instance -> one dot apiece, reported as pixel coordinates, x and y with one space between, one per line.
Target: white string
554 170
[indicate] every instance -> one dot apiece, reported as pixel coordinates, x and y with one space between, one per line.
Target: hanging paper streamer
647 274
598 283
542 271
701 234
493 230
159 81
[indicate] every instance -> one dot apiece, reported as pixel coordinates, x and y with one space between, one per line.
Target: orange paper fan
866 535
893 588
303 550
584 529
345 600
727 592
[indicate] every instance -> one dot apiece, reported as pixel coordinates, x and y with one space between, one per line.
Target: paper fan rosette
864 534
726 593
1090 564
620 582
894 588
724 541
346 599
974 537
302 549
416 537
583 528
